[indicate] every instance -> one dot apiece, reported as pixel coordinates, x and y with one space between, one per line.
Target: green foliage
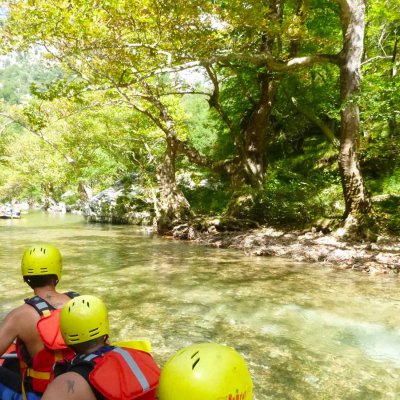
34 119
380 97
18 77
380 155
283 209
393 225
324 24
302 186
288 199
391 183
127 204
101 144
114 53
388 209
205 132
60 87
207 199
30 170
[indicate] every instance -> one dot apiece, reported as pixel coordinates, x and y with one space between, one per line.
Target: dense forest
283 112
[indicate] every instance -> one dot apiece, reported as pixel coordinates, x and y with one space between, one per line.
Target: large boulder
121 204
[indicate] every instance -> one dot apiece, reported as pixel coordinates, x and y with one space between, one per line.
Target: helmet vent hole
93 332
73 338
195 363
197 352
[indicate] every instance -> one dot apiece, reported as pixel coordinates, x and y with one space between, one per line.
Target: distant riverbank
383 256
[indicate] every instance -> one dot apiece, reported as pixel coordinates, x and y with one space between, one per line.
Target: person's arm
8 330
69 386
21 323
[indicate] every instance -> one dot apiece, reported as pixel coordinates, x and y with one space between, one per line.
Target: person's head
41 265
84 323
206 371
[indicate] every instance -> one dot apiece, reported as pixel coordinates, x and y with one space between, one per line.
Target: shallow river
306 332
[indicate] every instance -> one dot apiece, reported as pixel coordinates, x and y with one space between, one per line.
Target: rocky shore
382 256
319 245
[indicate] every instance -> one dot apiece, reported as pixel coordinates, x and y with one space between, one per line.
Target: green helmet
43 259
206 371
82 319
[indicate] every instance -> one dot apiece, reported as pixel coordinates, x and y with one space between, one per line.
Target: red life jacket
38 371
123 374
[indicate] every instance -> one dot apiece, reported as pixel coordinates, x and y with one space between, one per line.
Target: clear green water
307 332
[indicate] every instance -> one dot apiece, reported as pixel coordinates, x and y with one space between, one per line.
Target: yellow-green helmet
43 259
206 371
82 319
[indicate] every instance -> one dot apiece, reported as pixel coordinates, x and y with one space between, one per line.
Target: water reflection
306 332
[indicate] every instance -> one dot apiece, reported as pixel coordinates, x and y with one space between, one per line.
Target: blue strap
39 304
8 394
72 294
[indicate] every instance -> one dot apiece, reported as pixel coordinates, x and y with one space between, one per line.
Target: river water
306 332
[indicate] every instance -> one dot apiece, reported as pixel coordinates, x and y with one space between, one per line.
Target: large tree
134 49
277 42
110 47
357 201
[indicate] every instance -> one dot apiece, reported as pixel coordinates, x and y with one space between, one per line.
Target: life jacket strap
72 294
23 392
39 304
37 374
134 367
58 355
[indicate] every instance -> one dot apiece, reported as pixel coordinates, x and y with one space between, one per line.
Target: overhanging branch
277 66
40 135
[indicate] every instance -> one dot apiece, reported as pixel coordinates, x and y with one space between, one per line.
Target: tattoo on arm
70 386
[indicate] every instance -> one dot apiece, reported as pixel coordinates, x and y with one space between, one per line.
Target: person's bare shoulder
24 310
17 318
69 386
21 322
25 317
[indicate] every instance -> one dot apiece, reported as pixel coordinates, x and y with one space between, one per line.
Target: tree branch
40 135
376 58
277 66
329 134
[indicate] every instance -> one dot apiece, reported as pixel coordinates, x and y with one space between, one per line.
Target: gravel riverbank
382 256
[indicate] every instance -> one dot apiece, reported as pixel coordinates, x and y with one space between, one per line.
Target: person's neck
45 292
92 349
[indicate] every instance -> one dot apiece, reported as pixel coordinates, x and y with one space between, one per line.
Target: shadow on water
306 332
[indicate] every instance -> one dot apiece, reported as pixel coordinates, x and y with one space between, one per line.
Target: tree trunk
253 139
393 123
357 201
173 206
85 191
251 145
